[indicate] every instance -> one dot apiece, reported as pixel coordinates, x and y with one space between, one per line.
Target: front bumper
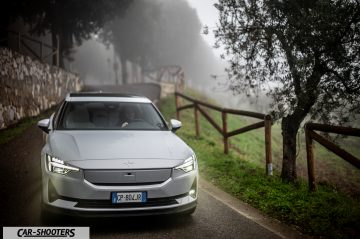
73 195
113 213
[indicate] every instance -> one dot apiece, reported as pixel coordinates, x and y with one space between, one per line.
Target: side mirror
44 125
175 125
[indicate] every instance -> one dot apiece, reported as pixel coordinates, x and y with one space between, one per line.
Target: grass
16 129
330 169
327 212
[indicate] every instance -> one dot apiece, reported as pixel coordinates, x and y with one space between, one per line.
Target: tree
133 35
71 20
161 32
308 52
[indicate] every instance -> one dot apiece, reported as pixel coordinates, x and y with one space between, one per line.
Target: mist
157 33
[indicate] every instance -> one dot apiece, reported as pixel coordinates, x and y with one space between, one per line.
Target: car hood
119 149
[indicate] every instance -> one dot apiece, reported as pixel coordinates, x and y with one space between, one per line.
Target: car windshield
110 115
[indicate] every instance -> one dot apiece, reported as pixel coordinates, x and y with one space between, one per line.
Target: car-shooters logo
46 232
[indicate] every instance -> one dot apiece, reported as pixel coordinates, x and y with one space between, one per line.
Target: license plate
128 197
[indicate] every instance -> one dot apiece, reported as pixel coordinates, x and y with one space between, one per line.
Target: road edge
280 229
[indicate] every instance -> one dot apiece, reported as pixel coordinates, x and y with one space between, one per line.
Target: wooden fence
311 135
37 52
223 130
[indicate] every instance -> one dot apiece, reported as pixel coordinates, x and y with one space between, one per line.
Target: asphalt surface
20 204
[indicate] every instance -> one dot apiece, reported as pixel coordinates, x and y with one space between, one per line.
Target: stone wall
28 87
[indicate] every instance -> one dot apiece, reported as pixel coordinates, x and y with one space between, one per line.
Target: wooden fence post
198 107
310 159
224 131
196 114
268 153
177 106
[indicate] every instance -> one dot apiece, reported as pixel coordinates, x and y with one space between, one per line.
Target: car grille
108 204
90 203
151 202
127 184
127 177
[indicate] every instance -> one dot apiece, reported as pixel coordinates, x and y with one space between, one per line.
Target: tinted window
111 115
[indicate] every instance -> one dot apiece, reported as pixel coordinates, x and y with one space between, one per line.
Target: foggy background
157 33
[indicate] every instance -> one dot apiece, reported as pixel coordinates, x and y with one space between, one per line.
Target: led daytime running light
188 165
58 166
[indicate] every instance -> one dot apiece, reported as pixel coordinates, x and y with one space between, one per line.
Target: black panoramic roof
104 94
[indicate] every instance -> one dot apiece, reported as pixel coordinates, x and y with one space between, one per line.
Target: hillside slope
242 173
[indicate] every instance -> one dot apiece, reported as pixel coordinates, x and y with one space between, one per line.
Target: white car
114 154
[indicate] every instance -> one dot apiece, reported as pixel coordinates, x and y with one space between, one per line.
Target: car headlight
188 165
56 165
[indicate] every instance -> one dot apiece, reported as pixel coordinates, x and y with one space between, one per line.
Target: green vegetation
326 212
14 130
303 83
8 134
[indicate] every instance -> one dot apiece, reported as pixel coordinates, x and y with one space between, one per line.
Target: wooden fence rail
223 129
311 135
22 45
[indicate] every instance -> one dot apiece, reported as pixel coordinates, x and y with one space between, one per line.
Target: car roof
106 96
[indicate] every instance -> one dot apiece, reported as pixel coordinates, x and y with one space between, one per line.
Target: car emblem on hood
128 163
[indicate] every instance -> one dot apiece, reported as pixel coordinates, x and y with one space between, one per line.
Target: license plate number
128 197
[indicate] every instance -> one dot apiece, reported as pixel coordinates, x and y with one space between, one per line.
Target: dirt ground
16 171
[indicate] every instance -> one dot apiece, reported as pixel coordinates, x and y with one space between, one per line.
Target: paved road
20 204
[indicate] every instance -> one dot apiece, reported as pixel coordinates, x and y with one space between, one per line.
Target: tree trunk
124 74
134 73
290 127
61 59
56 35
54 44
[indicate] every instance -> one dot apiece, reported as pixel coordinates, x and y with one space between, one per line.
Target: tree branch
348 89
291 59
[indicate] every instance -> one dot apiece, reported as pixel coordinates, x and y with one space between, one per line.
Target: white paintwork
123 150
110 99
175 124
44 123
95 149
